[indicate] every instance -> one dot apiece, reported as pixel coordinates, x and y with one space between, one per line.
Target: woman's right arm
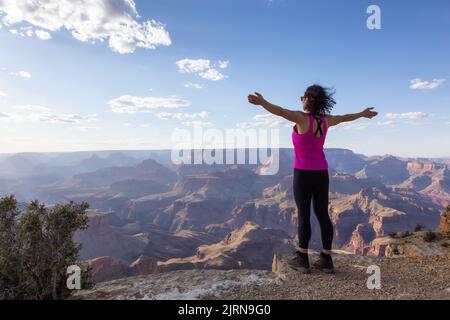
335 120
290 115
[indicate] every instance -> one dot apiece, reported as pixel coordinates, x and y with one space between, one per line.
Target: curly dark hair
320 99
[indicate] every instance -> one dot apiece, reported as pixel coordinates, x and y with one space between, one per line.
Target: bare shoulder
302 117
302 114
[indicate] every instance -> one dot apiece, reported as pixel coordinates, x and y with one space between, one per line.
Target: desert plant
393 235
429 236
400 234
418 228
395 251
403 234
36 248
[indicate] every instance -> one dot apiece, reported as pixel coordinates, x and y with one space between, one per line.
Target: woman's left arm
258 99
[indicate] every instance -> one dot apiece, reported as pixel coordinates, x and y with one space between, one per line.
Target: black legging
312 184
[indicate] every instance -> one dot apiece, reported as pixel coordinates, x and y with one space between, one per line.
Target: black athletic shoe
325 263
300 262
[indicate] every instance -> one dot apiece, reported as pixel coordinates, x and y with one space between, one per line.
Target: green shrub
36 247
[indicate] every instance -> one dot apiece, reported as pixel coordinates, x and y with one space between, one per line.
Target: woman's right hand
256 99
368 113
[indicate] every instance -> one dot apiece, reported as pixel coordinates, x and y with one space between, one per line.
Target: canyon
148 215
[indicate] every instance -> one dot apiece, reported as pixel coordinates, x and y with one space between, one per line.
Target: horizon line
193 149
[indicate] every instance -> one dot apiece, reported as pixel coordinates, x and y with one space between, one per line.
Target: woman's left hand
369 113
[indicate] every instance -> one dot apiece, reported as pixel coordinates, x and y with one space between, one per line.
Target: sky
124 74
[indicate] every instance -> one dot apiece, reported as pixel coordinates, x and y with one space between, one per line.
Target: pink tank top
308 148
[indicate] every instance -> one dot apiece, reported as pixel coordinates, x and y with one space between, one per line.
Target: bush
429 236
395 251
400 234
393 235
418 228
36 247
403 234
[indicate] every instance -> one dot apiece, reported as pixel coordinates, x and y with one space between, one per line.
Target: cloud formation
223 64
407 115
22 74
131 104
35 113
198 123
182 116
261 120
212 74
115 21
356 126
419 84
203 68
43 35
193 85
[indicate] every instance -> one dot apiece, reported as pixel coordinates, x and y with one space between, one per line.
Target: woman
311 179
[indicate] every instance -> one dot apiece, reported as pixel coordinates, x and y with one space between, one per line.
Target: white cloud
261 120
131 105
198 123
13 31
426 85
182 116
2 94
22 74
190 65
116 21
34 108
63 118
34 113
356 126
223 64
41 34
385 123
212 74
193 85
202 67
407 115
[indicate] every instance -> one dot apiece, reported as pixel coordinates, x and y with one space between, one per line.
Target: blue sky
65 85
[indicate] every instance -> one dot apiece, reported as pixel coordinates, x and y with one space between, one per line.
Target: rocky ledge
401 278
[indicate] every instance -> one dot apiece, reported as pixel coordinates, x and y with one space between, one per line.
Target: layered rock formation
386 169
251 246
444 224
415 244
107 268
102 239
